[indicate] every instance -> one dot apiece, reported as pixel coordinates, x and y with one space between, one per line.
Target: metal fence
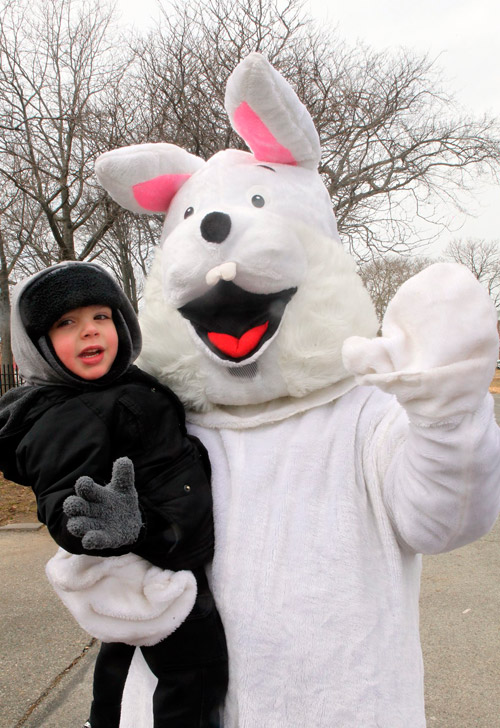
9 377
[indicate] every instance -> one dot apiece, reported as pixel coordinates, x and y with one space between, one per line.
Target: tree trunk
5 310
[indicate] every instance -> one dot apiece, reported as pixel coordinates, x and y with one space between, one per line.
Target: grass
17 504
495 384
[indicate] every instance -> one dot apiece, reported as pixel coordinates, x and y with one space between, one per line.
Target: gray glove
105 516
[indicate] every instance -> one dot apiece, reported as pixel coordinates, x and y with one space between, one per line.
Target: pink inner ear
260 140
156 194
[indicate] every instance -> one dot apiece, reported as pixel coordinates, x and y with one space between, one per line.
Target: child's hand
105 516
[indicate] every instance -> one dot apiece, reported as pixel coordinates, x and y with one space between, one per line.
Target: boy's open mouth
234 323
91 352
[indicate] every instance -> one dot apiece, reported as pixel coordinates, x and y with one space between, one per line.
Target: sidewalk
460 632
46 660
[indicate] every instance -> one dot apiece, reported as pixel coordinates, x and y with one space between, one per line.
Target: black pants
191 667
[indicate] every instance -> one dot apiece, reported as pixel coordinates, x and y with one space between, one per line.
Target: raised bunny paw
438 347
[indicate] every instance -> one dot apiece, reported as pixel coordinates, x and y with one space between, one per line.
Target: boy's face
85 341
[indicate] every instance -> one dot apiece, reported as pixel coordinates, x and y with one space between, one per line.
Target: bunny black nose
215 227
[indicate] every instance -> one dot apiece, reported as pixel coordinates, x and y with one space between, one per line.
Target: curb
22 527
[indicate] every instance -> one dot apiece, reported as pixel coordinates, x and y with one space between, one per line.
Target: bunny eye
189 211
259 195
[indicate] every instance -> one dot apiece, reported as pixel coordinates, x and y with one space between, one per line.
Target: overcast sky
464 34
464 37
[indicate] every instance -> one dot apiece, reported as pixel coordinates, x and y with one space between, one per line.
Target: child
88 412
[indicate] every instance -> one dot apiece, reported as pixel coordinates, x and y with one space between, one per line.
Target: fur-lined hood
33 366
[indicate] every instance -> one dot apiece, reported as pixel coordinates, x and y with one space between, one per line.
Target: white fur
330 304
122 598
170 354
437 374
119 170
259 85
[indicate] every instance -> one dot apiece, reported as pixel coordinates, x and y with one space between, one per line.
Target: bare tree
63 100
58 70
187 59
129 251
383 276
18 226
394 147
391 141
482 258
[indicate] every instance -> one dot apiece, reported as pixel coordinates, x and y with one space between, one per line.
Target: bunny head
250 295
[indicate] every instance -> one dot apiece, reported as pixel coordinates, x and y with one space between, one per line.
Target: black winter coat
69 432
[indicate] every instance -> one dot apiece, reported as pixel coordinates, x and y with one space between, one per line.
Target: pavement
46 660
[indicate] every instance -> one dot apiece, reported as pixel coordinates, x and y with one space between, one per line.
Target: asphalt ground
46 660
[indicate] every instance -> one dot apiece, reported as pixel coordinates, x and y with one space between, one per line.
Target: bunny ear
266 112
145 177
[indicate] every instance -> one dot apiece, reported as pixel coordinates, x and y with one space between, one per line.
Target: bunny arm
439 458
440 484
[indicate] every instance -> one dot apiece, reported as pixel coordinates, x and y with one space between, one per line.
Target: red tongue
237 348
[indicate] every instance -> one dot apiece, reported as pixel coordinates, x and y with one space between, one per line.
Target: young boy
74 337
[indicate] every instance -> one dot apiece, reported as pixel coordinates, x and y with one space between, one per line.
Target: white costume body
319 521
321 517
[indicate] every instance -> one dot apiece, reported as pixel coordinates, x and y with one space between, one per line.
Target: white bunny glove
438 348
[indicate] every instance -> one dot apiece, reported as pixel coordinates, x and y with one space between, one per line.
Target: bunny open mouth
234 323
